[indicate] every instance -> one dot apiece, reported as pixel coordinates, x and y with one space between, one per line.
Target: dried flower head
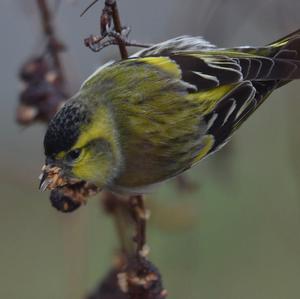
141 279
70 197
42 94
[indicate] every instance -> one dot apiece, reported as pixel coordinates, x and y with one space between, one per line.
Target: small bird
143 120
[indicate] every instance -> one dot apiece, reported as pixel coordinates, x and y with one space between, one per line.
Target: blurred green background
236 237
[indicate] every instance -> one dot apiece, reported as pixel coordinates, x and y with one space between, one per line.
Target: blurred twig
54 45
42 76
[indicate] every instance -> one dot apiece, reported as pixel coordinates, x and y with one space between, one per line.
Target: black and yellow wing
253 74
178 105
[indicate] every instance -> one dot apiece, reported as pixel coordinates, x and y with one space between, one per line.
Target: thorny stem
116 36
54 46
140 217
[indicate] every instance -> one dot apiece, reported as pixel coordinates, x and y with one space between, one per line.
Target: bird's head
81 144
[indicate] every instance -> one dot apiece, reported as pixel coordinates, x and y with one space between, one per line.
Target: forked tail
287 52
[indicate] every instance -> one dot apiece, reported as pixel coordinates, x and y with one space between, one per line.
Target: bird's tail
285 40
287 51
285 56
285 67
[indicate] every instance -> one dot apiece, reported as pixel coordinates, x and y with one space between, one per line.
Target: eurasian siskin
140 121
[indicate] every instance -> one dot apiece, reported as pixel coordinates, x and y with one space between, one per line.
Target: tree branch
54 46
117 23
116 35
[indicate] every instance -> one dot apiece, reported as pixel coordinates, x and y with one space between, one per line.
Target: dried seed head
123 282
70 197
62 202
34 69
145 251
108 288
43 91
141 279
26 114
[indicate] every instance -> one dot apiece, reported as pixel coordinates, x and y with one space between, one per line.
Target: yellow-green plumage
151 117
160 129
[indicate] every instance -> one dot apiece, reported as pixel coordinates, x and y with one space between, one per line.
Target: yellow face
93 162
95 156
98 146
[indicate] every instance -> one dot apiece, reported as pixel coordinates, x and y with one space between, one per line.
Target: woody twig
135 275
111 31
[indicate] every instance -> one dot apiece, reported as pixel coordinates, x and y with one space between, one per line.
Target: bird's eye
73 154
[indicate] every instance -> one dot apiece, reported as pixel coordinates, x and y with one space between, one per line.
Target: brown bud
34 69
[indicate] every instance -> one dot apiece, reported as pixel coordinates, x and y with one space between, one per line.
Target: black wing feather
222 120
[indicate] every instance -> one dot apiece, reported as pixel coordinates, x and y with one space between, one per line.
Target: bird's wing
180 43
230 83
176 109
254 72
168 121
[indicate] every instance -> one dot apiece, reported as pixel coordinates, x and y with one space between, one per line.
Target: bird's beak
50 178
44 181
